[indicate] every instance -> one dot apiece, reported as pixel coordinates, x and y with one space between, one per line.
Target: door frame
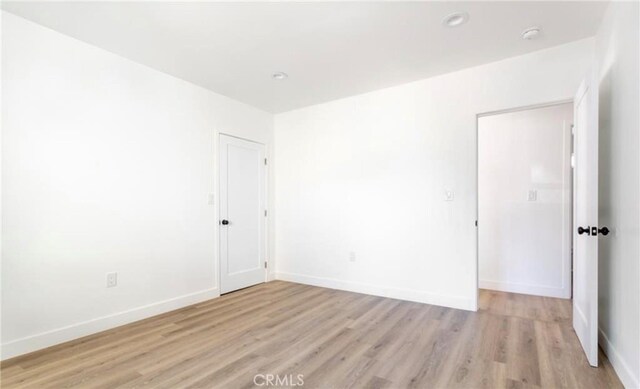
477 189
265 219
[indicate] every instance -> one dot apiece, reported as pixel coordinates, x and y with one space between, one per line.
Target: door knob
603 231
225 222
582 230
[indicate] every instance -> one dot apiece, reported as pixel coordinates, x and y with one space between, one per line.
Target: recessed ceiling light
531 33
456 19
279 76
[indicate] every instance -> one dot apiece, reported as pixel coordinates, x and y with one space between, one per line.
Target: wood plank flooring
335 339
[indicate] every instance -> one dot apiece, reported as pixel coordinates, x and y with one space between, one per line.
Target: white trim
382 291
78 330
536 290
526 107
619 364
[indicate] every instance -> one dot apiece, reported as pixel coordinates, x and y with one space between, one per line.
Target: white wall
107 165
368 174
524 201
618 42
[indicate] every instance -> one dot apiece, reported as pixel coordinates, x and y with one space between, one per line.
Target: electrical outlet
352 256
112 280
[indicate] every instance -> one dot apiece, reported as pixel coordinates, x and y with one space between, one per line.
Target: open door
585 218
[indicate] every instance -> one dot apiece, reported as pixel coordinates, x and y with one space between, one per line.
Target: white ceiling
329 49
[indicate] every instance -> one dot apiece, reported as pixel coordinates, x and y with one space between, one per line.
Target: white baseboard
468 304
535 290
78 330
628 379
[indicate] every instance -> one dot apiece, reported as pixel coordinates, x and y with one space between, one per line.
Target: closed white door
585 217
242 213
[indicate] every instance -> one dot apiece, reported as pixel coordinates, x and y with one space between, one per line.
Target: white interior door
242 213
585 217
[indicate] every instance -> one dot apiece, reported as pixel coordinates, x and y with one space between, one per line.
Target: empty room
320 194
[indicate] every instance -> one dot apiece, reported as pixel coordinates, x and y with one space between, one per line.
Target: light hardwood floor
336 339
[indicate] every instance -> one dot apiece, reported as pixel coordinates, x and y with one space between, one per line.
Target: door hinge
265 161
265 213
265 264
476 223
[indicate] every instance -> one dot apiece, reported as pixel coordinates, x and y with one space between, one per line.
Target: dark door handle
225 222
582 230
603 231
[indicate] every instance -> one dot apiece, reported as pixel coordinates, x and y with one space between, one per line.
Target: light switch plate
112 280
448 195
533 195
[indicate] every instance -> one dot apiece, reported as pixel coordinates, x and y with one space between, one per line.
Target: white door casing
585 216
242 213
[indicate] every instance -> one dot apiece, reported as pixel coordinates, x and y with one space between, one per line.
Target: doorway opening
525 200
